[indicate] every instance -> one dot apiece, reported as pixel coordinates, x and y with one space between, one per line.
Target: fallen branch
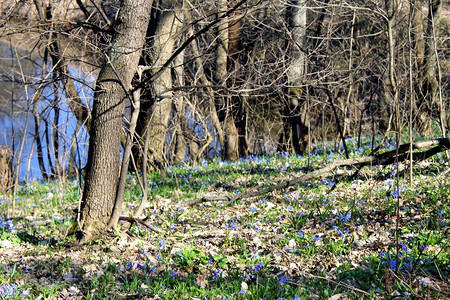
387 158
208 198
139 221
338 283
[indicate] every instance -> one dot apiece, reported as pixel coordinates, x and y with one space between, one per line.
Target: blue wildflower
403 247
282 280
393 264
8 290
317 238
346 217
259 266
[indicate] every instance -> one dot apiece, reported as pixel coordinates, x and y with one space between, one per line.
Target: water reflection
14 128
19 76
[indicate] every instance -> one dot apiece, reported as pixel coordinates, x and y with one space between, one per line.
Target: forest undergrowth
367 235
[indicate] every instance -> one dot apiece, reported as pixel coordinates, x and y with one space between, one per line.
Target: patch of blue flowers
405 262
8 290
7 224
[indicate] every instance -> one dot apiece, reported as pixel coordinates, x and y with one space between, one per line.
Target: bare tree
113 88
296 20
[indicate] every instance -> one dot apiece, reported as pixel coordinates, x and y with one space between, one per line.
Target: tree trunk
37 137
5 168
179 107
112 90
229 141
163 46
179 151
389 97
296 21
431 83
420 113
238 102
157 101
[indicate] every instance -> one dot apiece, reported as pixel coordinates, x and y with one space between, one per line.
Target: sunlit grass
320 238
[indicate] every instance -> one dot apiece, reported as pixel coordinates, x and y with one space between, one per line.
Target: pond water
18 131
17 123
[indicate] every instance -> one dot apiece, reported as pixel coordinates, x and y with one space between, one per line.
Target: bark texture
429 93
296 20
163 46
227 140
112 90
5 167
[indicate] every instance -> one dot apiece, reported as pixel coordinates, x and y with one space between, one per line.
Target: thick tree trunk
157 99
229 140
429 93
112 90
296 20
420 113
163 45
238 103
179 107
227 74
390 93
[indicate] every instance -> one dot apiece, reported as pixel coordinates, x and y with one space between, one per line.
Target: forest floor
371 236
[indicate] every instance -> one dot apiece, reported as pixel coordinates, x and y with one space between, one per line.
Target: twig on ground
335 282
206 199
142 222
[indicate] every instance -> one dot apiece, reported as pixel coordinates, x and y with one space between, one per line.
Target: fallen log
400 154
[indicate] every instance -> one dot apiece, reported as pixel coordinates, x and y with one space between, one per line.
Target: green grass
304 241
